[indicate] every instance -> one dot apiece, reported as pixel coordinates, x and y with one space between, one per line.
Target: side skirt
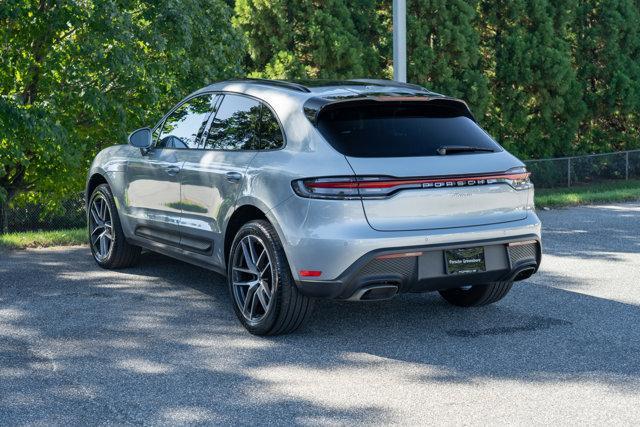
177 253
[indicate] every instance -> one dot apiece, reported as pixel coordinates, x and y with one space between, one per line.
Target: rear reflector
400 255
310 273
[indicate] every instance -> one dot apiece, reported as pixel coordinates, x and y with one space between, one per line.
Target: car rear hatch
422 165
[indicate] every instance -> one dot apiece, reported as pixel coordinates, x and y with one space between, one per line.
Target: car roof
316 86
315 95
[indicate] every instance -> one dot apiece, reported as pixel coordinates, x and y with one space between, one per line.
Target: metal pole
569 172
626 165
400 40
4 217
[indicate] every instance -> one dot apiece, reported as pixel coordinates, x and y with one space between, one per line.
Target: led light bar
380 187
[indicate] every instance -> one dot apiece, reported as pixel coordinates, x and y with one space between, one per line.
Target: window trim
220 94
205 133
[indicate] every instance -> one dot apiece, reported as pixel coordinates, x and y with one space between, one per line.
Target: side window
183 128
234 126
269 133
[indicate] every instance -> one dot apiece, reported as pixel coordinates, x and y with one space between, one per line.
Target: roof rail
392 83
277 83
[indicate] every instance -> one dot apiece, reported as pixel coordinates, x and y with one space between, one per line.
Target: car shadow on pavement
159 343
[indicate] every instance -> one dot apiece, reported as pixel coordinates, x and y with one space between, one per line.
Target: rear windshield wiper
450 149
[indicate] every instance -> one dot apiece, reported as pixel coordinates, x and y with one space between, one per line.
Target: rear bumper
330 236
380 274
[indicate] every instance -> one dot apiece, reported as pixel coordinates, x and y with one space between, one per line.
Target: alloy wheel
101 227
252 278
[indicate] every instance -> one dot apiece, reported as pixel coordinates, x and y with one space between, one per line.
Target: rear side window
243 123
234 125
400 130
270 136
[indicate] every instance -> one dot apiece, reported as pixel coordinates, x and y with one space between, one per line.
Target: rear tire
108 244
258 276
477 295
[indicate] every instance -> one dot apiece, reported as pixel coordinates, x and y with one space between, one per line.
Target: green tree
443 47
607 52
77 75
312 38
536 104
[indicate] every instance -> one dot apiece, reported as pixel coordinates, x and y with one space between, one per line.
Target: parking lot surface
160 344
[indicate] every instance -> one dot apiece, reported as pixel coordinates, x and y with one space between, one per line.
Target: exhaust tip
376 292
523 273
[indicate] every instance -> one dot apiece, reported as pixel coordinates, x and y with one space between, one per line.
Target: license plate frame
465 260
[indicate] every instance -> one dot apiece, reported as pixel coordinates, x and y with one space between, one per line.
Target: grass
611 191
43 239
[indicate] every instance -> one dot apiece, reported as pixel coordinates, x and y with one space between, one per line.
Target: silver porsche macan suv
352 190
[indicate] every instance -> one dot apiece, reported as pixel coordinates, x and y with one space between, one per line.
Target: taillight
518 178
327 188
351 188
345 188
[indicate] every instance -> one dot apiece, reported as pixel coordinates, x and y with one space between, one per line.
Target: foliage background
545 77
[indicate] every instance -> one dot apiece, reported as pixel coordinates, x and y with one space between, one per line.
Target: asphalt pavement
160 344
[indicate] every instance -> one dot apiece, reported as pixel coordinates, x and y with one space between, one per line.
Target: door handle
233 176
172 170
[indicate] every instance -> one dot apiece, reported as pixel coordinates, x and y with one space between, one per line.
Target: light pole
400 40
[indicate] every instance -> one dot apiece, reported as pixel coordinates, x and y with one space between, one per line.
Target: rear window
400 130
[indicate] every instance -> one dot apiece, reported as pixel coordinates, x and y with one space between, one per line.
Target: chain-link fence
569 171
546 173
34 216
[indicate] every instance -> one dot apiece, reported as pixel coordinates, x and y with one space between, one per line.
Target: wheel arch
99 176
240 216
94 180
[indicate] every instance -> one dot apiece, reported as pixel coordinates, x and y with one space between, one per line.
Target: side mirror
141 139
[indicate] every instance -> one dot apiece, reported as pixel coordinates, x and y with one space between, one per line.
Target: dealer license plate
464 261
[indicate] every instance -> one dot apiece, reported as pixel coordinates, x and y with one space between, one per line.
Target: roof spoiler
314 106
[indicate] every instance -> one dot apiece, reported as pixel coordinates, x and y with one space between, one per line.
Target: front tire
265 297
108 245
477 295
